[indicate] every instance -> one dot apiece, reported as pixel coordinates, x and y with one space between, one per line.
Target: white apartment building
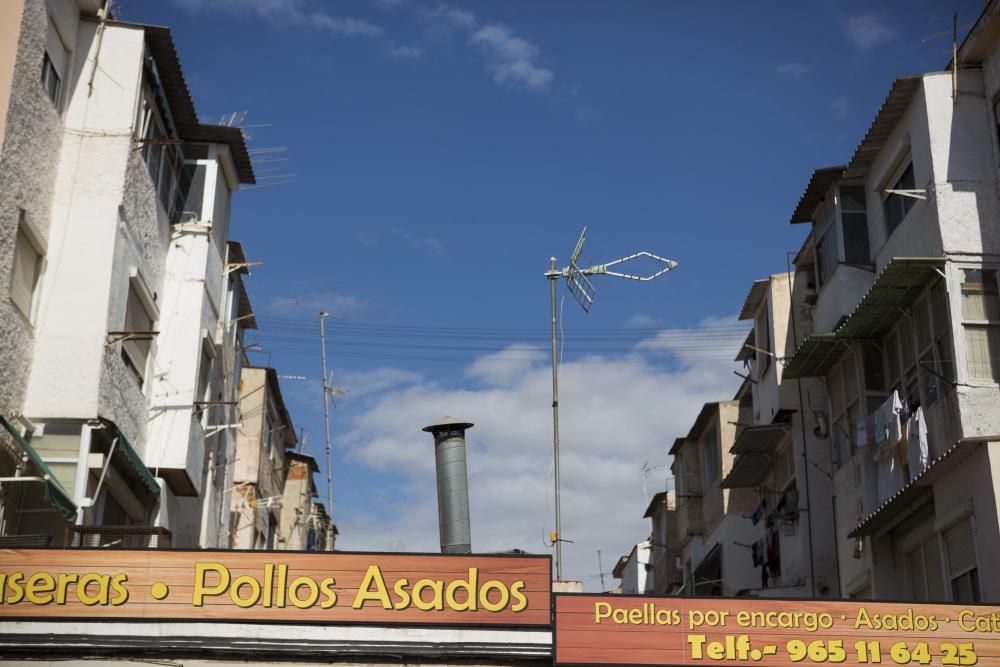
125 345
665 543
780 448
906 335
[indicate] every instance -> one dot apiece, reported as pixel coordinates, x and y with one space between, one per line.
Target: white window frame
710 475
37 243
899 166
956 277
148 303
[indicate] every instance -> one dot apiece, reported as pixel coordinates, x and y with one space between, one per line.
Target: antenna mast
579 285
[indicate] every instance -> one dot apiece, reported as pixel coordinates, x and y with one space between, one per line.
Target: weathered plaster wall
30 150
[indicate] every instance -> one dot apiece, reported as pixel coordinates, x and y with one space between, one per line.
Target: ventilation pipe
452 484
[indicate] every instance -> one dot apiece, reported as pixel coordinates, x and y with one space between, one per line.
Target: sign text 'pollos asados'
377 588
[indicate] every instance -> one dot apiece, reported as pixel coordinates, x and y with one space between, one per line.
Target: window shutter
22 283
961 548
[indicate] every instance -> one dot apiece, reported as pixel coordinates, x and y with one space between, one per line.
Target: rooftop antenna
578 284
328 393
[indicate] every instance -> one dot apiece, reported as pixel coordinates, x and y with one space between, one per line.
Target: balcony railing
120 537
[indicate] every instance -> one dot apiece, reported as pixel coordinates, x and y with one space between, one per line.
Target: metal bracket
913 193
119 336
241 265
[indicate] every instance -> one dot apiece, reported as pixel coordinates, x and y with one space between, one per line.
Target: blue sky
443 152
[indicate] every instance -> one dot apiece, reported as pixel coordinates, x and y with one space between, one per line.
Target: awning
754 297
749 470
746 350
895 105
762 439
896 287
54 493
820 181
916 493
135 461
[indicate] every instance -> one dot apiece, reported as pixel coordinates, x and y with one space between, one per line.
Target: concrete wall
103 226
296 505
32 136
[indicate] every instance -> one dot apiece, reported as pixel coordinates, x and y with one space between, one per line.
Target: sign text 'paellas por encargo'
626 630
275 586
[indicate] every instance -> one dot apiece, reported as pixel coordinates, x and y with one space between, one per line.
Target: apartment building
781 455
634 570
261 461
122 332
665 543
713 522
303 524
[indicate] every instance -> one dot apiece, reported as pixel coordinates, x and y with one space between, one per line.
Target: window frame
37 246
841 420
958 313
710 474
762 359
136 285
892 181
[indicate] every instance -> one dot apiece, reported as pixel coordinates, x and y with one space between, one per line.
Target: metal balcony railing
120 537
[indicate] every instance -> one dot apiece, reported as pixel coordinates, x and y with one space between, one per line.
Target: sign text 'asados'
625 630
269 586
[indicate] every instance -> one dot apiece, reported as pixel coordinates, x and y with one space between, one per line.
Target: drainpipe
86 435
802 425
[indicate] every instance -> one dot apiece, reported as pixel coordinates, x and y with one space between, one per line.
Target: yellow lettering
435 602
293 592
484 596
201 591
118 584
404 595
602 610
39 588
331 595
372 576
520 601
696 642
64 581
82 586
17 592
238 584
469 586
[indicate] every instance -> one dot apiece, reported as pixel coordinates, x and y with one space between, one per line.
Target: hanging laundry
774 553
862 433
758 513
755 554
918 455
870 429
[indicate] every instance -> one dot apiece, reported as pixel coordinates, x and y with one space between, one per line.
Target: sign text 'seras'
342 587
597 630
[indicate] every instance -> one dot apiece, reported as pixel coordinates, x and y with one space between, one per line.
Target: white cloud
328 300
867 31
794 70
841 107
404 52
640 321
508 365
615 414
511 59
364 383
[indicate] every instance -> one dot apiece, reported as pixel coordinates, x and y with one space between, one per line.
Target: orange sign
638 630
276 586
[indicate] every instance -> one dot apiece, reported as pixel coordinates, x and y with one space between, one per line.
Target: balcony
120 537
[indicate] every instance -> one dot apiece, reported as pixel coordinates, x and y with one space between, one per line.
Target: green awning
136 461
896 287
55 494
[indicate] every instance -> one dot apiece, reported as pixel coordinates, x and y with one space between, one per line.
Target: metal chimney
452 483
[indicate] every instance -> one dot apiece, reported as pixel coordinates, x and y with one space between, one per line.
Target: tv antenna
328 394
578 284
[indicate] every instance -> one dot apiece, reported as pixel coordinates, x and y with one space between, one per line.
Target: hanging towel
917 451
774 552
862 433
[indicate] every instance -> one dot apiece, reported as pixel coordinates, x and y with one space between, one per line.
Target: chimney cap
447 423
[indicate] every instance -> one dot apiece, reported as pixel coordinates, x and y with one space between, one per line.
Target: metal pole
326 414
600 568
553 276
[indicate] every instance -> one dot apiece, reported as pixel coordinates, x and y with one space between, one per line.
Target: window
710 465
981 322
53 65
924 564
268 433
828 246
164 159
27 269
845 410
680 479
896 206
135 351
854 220
962 570
204 389
784 468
